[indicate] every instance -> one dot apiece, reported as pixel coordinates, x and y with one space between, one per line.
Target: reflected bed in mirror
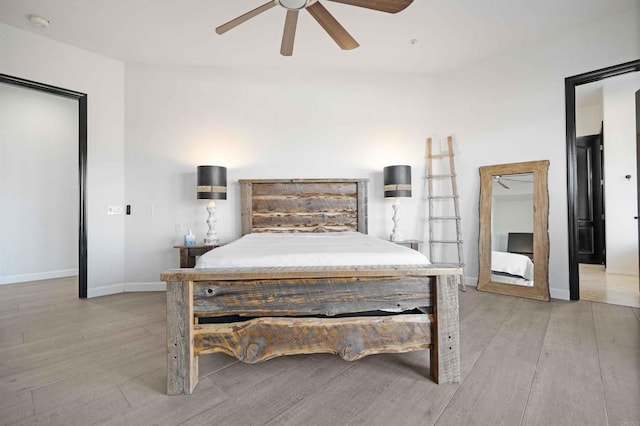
514 241
512 229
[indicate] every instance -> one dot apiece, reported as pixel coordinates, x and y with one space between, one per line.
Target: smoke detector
38 21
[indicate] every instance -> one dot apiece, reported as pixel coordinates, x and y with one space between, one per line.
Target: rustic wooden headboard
303 205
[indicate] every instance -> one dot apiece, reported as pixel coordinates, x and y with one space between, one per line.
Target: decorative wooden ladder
432 218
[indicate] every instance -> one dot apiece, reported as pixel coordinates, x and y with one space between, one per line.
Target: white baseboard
471 281
125 288
105 290
15 279
150 286
557 293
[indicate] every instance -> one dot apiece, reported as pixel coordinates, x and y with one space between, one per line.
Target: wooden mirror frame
540 289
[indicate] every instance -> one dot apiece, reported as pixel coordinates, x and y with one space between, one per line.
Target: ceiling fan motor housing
294 4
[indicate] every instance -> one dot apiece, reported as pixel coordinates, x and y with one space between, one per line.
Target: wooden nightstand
188 254
412 244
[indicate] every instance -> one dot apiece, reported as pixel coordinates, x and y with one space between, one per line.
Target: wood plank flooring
597 285
65 361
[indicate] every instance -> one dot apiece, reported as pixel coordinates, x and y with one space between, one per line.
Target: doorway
81 98
573 172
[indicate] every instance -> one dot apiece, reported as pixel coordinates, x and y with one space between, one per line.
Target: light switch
115 210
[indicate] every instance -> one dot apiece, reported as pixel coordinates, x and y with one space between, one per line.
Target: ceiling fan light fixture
293 4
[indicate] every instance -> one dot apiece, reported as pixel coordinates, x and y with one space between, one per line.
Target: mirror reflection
512 229
513 245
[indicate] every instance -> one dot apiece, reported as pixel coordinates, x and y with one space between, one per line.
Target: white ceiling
450 33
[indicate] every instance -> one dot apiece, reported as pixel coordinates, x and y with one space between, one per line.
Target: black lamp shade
212 183
397 181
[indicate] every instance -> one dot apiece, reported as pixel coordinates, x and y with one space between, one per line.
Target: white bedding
511 263
321 249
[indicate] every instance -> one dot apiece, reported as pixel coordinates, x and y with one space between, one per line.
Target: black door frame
638 161
82 165
570 84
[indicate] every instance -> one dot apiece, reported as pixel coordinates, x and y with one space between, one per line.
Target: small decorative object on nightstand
212 185
397 184
188 254
412 244
190 239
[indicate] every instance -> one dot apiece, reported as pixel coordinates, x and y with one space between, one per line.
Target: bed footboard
268 312
350 338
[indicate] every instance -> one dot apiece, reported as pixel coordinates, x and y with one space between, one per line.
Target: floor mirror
514 236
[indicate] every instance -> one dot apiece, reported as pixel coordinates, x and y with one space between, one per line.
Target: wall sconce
212 185
397 184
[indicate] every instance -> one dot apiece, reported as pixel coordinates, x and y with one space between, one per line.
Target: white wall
620 160
32 57
510 214
511 108
261 124
511 209
589 119
38 185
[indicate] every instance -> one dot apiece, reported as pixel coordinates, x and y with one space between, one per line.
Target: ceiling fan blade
243 18
332 27
389 6
289 35
498 180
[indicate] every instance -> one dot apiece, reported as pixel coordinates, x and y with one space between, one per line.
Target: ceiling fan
499 180
320 14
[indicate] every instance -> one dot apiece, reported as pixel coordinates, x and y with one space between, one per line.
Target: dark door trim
570 84
638 162
82 165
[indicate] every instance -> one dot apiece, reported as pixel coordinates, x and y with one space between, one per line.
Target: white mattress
511 263
511 280
321 249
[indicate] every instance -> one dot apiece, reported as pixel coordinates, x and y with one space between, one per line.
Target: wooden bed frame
261 313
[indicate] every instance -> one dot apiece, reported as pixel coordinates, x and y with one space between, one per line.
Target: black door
590 208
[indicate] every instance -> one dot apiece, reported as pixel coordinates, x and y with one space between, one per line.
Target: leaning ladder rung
446 241
442 197
439 156
439 176
448 264
455 265
445 218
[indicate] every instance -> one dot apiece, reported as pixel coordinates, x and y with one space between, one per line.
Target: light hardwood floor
598 286
65 361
